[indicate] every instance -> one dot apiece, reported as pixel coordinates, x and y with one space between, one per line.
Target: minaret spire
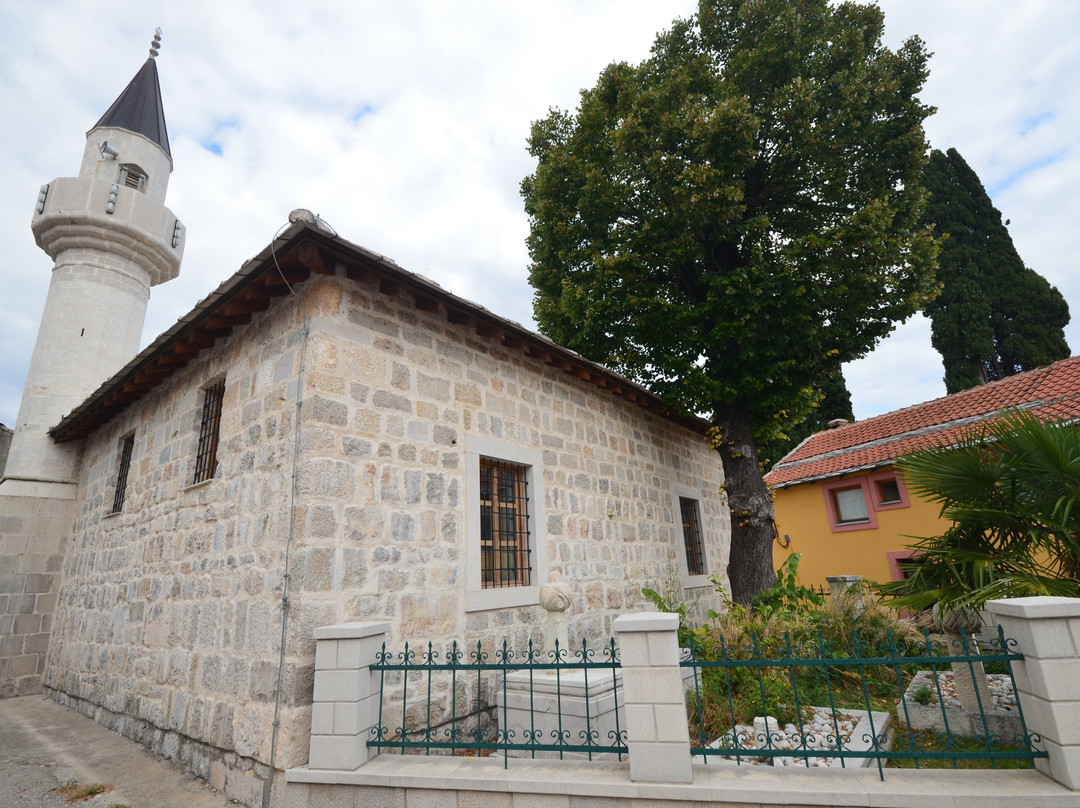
138 108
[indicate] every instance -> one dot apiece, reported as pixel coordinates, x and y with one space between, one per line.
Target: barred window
126 448
504 525
209 431
692 542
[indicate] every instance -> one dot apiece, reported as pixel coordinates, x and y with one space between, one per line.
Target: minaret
111 238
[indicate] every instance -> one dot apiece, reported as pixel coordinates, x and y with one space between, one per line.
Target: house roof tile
1052 391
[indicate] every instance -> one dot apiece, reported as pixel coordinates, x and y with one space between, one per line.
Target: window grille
209 430
122 473
504 525
691 528
132 176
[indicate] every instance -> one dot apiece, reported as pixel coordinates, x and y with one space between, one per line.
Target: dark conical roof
138 108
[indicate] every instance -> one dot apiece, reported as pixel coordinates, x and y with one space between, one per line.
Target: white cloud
430 175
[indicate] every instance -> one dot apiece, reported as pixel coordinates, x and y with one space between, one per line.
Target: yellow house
839 500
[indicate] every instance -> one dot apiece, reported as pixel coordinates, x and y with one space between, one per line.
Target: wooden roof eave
304 249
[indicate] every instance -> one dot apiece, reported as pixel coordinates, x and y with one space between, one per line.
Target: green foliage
924 696
1010 490
931 741
731 219
740 693
994 317
662 605
787 594
735 216
835 403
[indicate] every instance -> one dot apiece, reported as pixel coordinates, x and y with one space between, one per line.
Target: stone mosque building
325 437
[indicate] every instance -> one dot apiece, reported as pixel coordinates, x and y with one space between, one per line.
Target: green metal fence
448 702
860 680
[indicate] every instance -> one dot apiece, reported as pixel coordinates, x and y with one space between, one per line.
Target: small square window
850 505
888 492
209 433
127 446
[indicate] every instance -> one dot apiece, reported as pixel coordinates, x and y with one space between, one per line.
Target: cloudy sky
404 125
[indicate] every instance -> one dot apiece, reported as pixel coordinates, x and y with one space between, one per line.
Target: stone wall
171 610
33 535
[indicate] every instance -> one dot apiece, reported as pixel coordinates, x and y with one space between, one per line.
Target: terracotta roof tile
1053 391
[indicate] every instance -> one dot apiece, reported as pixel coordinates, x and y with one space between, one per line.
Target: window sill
193 486
862 524
696 581
510 597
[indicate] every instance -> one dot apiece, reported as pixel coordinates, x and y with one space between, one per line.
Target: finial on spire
155 46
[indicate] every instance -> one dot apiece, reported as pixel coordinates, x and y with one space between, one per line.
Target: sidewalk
44 745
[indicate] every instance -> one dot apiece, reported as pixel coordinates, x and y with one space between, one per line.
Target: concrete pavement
44 745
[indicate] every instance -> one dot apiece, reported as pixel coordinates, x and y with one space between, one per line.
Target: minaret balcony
86 213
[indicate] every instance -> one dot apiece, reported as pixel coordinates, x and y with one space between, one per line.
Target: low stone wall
242 778
392 781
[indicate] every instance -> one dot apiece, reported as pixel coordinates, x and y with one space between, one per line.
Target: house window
209 432
900 562
889 491
127 445
692 543
853 503
504 524
850 505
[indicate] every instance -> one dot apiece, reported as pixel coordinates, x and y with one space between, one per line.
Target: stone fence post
346 695
1047 633
839 584
657 732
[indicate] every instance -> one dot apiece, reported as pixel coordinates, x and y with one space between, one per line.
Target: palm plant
1010 489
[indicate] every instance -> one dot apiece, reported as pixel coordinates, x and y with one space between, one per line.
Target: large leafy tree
1011 493
835 403
730 219
994 317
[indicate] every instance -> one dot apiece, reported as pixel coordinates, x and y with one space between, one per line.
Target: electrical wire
268 788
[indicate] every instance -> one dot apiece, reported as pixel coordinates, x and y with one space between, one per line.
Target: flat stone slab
1001 717
857 731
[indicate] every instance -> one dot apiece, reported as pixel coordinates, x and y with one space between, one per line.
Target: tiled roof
294 255
1052 391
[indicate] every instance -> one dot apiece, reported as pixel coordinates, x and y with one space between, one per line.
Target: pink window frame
887 476
894 558
830 504
869 485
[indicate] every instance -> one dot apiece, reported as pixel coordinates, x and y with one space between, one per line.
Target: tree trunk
750 563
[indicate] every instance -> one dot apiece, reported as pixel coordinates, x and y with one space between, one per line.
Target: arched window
133 177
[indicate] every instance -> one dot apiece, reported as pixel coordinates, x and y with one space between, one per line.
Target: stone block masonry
32 542
170 612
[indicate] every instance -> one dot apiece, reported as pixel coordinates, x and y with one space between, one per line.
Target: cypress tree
995 317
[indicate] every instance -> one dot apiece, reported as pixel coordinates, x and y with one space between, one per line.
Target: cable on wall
299 215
